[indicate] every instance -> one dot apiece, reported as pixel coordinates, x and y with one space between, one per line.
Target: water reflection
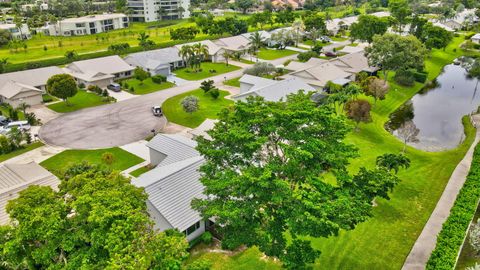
437 110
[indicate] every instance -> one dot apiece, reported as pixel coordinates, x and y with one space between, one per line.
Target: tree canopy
62 86
264 177
367 27
96 220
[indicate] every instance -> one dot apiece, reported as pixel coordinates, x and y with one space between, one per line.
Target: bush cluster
452 235
159 79
13 140
305 56
95 89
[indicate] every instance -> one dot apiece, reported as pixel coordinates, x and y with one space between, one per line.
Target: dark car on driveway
330 54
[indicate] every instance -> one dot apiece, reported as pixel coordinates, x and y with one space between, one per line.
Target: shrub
81 86
46 98
317 48
405 78
105 93
95 89
420 77
132 89
108 158
206 238
214 93
452 235
201 264
305 56
159 78
260 68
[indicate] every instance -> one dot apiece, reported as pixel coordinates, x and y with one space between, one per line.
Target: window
192 228
128 73
79 25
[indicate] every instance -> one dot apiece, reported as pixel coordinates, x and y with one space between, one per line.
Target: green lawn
189 74
141 171
20 151
82 99
148 86
271 54
233 82
384 241
61 161
310 42
208 108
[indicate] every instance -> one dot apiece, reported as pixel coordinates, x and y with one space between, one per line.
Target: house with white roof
215 52
337 24
99 71
26 86
354 63
234 44
161 61
318 76
270 90
22 32
17 177
476 38
173 184
86 25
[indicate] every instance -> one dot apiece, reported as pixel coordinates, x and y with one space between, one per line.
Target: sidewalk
37 155
426 242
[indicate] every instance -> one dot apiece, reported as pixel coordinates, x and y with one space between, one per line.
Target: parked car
115 87
3 121
157 111
22 125
330 54
325 39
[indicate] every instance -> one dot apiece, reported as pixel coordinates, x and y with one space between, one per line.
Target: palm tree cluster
194 55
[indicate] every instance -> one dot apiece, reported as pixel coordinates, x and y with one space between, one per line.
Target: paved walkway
423 247
37 155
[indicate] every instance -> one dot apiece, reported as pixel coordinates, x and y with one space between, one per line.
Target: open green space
20 151
310 43
272 54
60 162
147 86
396 223
208 69
208 107
81 100
233 82
141 170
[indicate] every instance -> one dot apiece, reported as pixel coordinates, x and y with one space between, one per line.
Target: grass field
148 86
208 108
233 82
81 100
141 170
384 241
20 151
189 74
63 160
271 54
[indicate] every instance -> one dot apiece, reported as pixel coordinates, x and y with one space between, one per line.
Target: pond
437 111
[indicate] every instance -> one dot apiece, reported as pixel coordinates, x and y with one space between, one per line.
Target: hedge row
452 235
63 60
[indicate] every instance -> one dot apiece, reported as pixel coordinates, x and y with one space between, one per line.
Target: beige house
318 76
15 93
17 177
99 71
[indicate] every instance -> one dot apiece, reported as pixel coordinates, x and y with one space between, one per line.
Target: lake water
438 112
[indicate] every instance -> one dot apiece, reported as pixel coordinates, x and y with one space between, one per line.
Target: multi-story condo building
86 25
156 10
22 32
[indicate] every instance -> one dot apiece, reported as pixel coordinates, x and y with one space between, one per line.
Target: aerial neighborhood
155 134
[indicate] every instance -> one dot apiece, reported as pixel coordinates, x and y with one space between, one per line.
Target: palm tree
255 42
143 39
298 27
186 53
227 55
393 162
200 53
23 107
18 23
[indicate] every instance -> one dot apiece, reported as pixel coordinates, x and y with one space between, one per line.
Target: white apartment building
86 25
156 10
17 33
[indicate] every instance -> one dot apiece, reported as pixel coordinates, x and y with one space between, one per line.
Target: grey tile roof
17 177
106 65
154 59
278 90
11 89
32 77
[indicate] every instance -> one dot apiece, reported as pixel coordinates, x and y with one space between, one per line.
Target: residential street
119 123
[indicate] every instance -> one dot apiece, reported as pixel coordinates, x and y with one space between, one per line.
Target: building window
79 25
128 73
192 228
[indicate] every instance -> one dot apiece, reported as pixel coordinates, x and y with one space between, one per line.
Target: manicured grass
233 82
245 61
20 151
46 98
63 160
310 42
384 241
148 86
141 170
271 54
220 68
339 38
208 108
82 99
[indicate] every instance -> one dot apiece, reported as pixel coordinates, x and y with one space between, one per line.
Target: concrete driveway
119 123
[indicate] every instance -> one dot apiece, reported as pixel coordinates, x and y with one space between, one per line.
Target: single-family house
173 184
476 38
270 90
161 61
234 44
337 24
17 177
26 86
22 32
318 76
263 34
99 71
466 17
354 63
215 52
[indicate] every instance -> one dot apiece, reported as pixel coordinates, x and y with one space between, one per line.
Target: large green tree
435 37
62 86
265 177
367 27
401 12
393 52
96 220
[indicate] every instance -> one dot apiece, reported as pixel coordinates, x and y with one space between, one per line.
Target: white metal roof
11 89
154 59
107 65
175 147
32 77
